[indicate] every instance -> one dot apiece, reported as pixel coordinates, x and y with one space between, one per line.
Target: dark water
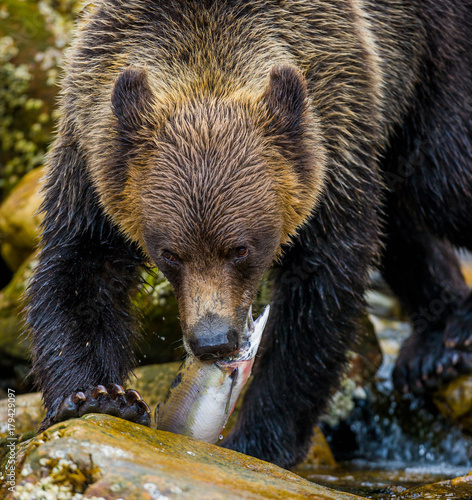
382 480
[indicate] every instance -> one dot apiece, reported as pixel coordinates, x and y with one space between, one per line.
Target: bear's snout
213 337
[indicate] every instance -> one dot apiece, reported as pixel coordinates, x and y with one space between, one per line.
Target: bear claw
110 400
425 364
100 389
458 332
132 396
115 390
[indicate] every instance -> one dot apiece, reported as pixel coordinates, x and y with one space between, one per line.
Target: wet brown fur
216 68
219 58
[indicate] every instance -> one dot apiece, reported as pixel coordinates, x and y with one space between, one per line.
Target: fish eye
241 252
169 257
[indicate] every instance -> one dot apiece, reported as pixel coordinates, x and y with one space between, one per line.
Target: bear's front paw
458 333
425 363
110 400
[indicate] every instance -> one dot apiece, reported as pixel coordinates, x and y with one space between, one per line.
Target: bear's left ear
285 98
132 100
291 123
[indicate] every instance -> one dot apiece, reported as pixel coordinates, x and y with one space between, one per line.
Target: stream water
383 481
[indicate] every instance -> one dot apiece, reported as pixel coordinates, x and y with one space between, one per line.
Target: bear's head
211 185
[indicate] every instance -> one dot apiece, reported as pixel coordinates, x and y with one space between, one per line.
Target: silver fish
204 393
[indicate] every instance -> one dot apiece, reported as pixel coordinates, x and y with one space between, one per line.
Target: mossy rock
13 341
29 413
455 401
106 457
33 36
23 21
20 220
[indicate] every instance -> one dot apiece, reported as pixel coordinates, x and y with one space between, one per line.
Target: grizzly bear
219 138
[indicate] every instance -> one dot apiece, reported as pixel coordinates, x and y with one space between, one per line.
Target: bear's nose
212 337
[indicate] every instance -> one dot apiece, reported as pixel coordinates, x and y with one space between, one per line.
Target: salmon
204 393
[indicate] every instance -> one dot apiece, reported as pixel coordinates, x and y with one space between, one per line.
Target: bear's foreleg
79 306
315 313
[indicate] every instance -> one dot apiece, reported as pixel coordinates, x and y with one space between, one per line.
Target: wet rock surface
105 457
379 483
388 475
28 414
455 489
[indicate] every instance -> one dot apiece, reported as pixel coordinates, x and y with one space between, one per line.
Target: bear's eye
241 252
169 256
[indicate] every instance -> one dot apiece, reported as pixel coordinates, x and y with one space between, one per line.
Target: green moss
32 38
12 343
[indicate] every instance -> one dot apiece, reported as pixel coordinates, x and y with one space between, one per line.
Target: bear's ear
285 98
132 100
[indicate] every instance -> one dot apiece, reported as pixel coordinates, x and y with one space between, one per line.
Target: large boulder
100 456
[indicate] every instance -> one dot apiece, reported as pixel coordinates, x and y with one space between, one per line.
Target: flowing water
382 481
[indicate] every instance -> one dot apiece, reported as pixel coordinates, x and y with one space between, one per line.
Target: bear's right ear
132 100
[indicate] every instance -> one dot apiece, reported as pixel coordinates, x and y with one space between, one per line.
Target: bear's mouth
238 341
